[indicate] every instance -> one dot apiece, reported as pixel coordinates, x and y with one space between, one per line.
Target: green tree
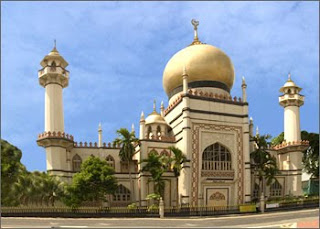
11 169
126 140
310 159
94 181
156 165
177 161
278 140
264 164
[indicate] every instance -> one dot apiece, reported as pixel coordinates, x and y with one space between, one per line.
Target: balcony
217 170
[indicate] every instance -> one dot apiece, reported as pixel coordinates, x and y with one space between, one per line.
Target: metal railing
186 211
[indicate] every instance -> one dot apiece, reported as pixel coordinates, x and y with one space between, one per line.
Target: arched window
110 161
216 157
289 91
158 131
149 134
122 194
76 163
53 66
276 189
165 152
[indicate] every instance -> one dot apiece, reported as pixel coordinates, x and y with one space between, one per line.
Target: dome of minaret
54 55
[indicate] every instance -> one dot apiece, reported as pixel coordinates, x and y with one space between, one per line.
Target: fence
295 205
187 211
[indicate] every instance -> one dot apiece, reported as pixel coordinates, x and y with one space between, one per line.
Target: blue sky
117 52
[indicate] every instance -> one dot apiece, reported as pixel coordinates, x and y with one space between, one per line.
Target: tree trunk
177 189
133 199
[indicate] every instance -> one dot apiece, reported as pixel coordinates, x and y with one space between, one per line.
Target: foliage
265 165
310 157
11 168
94 181
278 140
178 159
155 197
127 140
132 206
37 188
157 165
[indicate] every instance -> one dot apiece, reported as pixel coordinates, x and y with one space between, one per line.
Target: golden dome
203 63
155 117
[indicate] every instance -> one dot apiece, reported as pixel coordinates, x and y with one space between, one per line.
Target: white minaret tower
99 135
54 77
291 100
142 126
244 93
291 150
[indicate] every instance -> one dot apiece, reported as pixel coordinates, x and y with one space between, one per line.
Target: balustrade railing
216 165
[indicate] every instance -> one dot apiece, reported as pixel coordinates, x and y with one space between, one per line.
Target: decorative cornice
291 146
95 145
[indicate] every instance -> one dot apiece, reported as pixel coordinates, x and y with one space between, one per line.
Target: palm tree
127 140
178 159
265 165
156 165
22 188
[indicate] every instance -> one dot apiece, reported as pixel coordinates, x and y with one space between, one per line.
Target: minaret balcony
55 70
53 75
54 138
291 100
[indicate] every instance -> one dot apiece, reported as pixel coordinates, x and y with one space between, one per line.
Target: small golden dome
155 117
203 63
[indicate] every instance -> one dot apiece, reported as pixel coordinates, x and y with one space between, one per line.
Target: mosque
203 119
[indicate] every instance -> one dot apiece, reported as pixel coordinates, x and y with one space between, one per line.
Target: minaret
162 109
244 93
100 136
54 77
291 100
132 128
142 126
291 151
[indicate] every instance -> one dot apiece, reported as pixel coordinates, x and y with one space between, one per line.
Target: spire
184 70
257 131
195 27
132 127
243 81
244 93
162 109
289 76
142 116
55 46
99 129
154 105
185 79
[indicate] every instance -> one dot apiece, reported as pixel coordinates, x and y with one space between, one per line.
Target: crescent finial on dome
195 26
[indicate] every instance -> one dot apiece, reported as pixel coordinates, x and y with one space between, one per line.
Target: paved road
302 218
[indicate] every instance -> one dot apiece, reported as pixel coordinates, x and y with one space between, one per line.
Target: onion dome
208 66
155 117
